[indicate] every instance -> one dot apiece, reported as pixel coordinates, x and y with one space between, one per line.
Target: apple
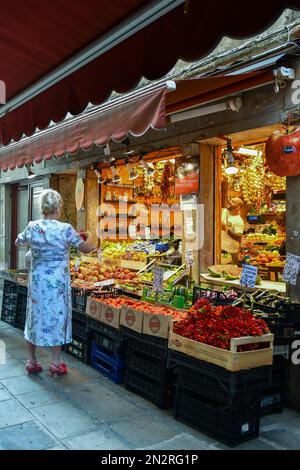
283 152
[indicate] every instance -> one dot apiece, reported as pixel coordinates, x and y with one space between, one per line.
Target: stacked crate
216 401
9 303
146 370
81 343
103 325
21 306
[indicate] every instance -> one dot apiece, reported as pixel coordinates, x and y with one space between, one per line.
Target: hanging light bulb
31 174
133 174
101 180
231 169
108 157
128 150
116 177
150 170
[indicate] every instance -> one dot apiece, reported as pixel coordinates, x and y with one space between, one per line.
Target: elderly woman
49 311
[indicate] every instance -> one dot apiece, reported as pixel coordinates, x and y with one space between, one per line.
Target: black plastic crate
215 297
78 316
163 398
9 303
79 299
272 401
148 345
104 335
21 306
109 364
79 349
150 368
217 383
232 426
292 313
79 330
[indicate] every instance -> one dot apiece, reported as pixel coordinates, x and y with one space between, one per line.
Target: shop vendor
232 228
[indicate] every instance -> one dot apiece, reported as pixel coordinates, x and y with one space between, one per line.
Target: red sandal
33 367
58 370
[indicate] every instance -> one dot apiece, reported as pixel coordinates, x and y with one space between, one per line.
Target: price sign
99 254
108 282
189 258
291 269
167 275
158 279
77 264
249 275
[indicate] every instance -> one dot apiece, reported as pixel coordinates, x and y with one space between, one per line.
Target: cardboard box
132 319
93 308
111 316
230 360
156 325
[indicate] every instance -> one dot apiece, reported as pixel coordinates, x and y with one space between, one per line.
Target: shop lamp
101 180
108 157
128 150
133 174
31 174
116 177
150 170
231 169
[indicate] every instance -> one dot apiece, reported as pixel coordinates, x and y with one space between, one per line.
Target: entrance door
26 200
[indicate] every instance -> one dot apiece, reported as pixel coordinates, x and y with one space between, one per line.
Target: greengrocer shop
151 309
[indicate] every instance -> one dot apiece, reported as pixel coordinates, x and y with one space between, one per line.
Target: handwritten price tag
108 282
291 269
76 266
249 275
99 255
189 258
158 279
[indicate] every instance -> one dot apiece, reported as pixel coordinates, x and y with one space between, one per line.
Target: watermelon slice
232 273
217 269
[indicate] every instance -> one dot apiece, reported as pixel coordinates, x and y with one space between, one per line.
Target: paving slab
143 430
24 384
284 438
66 383
64 419
12 368
13 342
181 442
59 447
11 413
39 398
103 403
4 394
102 439
29 436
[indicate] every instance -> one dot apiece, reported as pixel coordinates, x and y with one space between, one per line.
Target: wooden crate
230 360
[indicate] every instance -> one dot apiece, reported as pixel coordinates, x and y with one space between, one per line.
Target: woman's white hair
50 201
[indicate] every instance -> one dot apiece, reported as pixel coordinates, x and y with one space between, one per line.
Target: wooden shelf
120 202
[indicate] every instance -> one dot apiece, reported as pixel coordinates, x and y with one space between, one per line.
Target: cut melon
232 273
217 269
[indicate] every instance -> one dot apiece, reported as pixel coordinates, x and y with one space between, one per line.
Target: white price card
76 266
189 258
249 275
99 254
291 269
167 275
158 279
108 282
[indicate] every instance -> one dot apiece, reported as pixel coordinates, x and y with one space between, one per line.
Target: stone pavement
84 410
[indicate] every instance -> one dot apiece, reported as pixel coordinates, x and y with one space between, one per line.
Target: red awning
36 37
115 121
133 115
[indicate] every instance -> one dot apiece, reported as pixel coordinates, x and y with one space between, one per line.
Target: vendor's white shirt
236 225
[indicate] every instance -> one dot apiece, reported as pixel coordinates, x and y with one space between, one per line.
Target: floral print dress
49 309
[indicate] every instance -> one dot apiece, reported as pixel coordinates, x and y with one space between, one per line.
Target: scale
256 219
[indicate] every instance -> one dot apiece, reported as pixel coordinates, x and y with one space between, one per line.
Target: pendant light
133 174
101 180
230 169
116 177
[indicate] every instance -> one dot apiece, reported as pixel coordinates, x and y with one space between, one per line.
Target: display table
279 286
